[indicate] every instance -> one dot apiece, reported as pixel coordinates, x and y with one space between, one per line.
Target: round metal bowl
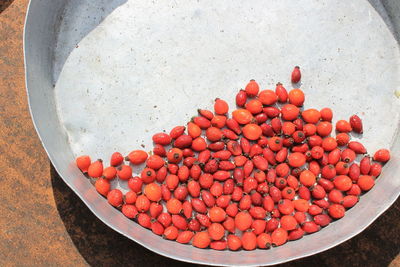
102 76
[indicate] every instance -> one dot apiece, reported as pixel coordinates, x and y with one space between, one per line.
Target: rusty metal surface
44 223
31 230
95 77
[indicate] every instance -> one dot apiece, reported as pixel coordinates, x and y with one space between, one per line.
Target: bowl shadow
99 245
4 4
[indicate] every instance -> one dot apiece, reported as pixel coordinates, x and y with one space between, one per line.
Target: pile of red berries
270 173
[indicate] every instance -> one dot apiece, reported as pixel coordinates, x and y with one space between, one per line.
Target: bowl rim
361 227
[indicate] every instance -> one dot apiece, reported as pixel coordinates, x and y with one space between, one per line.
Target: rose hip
375 170
184 237
129 211
357 147
279 237
137 157
241 98
296 75
102 186
310 227
356 124
354 171
322 220
115 197
252 88
234 242
281 93
336 211
95 169
83 163
257 177
382 155
144 220
296 234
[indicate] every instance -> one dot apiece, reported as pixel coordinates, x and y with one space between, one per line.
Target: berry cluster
270 173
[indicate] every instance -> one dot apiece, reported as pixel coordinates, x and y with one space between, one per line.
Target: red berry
148 175
177 131
322 220
206 113
252 88
130 197
159 150
219 245
115 197
349 201
109 172
357 147
342 182
310 227
336 211
296 97
83 163
234 242
375 170
137 157
165 219
288 222
135 184
356 124
296 75
179 222
157 228
201 240
187 209
116 159
153 192
258 226
279 236
271 225
144 220
296 234
124 172
365 165
243 220
264 241
249 241
155 162
335 196
95 169
162 139
229 224
185 237
102 186
142 203
281 92
171 232
241 98
129 211
382 155
365 182
216 231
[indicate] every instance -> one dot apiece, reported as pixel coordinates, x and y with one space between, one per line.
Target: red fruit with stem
83 163
296 75
116 159
356 124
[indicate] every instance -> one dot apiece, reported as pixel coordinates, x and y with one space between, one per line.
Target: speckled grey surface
149 65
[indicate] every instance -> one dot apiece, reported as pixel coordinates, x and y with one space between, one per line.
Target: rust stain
43 223
31 230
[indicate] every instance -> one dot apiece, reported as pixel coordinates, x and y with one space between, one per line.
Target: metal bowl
101 76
